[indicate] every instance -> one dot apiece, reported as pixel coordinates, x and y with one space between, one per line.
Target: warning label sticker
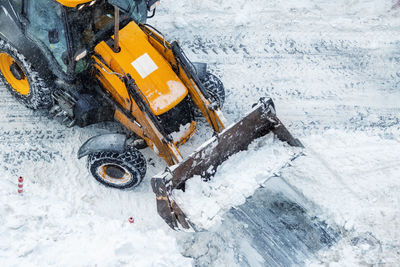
144 65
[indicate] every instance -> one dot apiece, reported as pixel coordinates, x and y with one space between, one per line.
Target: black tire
215 88
39 93
132 162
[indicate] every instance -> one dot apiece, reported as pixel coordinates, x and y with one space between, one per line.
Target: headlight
152 4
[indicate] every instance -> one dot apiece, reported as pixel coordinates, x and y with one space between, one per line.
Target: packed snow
236 179
332 68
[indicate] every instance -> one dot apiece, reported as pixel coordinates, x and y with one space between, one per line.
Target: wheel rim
114 174
14 74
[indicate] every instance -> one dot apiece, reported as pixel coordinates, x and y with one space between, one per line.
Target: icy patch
236 179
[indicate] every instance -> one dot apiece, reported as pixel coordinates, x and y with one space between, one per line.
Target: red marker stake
131 220
20 185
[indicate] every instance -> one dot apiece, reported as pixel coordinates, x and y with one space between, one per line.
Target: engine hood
154 76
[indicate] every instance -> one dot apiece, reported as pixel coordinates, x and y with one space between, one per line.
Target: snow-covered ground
333 70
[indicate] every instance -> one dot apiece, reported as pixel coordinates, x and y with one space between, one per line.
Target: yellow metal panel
73 3
214 117
154 76
113 84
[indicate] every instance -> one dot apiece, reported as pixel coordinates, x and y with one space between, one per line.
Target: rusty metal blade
167 208
206 159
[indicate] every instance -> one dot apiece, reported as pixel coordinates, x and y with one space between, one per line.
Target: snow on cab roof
73 3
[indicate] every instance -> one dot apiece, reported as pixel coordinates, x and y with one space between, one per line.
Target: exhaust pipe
116 30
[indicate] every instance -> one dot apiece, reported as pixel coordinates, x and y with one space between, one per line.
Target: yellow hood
72 3
151 72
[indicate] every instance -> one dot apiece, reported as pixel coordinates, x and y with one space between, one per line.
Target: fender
105 142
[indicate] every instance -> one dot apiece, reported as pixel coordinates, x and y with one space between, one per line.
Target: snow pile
236 179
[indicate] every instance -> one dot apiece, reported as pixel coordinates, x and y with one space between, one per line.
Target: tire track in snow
345 70
321 78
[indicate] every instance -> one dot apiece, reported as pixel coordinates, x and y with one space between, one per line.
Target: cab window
46 26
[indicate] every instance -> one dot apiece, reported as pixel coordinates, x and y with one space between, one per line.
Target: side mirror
54 36
123 5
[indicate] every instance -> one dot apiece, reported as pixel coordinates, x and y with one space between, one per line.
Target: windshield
92 24
46 26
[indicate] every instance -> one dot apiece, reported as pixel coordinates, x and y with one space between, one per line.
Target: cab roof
73 3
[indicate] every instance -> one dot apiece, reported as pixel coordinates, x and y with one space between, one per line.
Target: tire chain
132 156
41 97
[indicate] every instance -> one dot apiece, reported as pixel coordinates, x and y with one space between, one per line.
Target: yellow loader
90 61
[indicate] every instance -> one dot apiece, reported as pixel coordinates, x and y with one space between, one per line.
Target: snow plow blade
206 159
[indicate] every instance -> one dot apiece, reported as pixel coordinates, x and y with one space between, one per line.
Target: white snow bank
235 180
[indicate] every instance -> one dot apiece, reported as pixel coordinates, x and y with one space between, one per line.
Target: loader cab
89 24
64 29
45 25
